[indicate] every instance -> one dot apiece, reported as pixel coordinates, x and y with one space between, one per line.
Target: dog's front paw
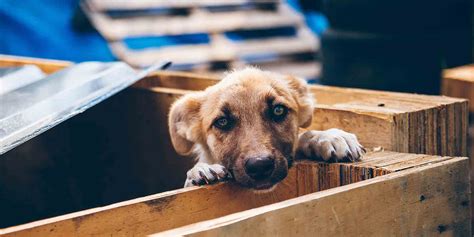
332 144
203 173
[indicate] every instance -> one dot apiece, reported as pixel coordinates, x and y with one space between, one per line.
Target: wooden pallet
104 5
395 121
220 49
198 21
385 194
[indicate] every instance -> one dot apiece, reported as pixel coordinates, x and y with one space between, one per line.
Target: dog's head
248 122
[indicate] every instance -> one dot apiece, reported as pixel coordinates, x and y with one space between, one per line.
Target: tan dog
247 126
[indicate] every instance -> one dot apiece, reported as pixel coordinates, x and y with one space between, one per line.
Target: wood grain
430 200
186 206
459 82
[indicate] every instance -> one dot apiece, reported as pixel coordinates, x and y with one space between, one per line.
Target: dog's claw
228 174
202 174
330 145
349 155
214 173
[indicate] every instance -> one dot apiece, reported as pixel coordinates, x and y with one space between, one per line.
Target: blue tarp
43 28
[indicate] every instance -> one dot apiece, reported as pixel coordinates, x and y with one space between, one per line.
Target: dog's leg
330 145
203 173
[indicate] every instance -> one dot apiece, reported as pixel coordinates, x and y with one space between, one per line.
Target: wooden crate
387 193
140 114
459 82
400 122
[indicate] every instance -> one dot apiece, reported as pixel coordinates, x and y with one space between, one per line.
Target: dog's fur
247 99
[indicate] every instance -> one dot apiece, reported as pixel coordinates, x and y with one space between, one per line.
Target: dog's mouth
264 186
256 185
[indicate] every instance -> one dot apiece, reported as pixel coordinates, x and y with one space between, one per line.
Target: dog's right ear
184 122
305 100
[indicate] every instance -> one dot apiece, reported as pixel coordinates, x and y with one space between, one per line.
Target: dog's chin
261 186
264 188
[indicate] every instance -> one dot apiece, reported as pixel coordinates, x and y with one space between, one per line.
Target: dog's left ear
184 123
304 98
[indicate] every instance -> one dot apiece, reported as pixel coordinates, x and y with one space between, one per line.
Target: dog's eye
279 112
223 123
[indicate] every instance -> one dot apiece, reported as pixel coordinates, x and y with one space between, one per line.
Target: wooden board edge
155 203
46 65
47 221
220 224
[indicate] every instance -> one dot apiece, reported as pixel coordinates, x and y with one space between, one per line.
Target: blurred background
396 45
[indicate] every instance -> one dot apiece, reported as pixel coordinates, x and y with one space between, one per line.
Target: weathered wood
46 65
196 22
430 200
104 5
219 49
186 206
149 126
197 17
459 82
400 122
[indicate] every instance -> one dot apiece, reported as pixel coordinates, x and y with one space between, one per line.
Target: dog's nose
259 167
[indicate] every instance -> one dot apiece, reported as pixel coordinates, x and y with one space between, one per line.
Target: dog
247 127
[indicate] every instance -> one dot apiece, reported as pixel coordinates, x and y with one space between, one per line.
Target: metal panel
36 107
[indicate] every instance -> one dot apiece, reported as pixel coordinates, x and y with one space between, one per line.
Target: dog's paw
330 145
203 173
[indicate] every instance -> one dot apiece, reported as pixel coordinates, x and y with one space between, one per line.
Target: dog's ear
304 98
184 122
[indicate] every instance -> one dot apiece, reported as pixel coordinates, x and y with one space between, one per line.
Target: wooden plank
219 49
196 22
406 203
330 95
459 82
402 122
185 206
46 65
103 5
